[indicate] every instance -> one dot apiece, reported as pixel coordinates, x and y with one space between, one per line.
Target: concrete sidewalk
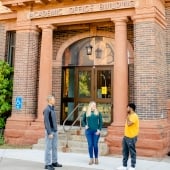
29 159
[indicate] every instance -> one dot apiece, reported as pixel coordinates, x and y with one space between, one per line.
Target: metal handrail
70 127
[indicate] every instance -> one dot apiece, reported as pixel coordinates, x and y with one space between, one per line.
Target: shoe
122 168
91 161
96 161
49 167
131 168
56 164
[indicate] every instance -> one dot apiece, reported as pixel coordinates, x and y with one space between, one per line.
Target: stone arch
58 59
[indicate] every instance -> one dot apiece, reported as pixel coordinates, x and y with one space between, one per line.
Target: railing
71 126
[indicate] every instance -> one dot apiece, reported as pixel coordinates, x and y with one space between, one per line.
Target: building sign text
82 9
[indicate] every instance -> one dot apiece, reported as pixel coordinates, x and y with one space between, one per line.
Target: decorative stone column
24 85
120 96
120 71
150 68
45 73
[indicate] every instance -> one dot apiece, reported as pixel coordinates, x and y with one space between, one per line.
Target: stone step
77 147
80 138
76 142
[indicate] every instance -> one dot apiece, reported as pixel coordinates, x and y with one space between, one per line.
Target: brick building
110 51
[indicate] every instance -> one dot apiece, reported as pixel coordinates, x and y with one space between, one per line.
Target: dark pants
92 140
129 147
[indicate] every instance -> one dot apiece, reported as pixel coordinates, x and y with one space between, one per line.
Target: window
10 47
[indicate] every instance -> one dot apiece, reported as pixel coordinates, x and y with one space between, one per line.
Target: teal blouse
93 121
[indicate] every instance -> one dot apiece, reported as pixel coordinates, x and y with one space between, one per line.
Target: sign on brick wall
18 103
82 9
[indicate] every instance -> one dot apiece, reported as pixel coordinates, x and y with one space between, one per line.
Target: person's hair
49 98
132 105
88 113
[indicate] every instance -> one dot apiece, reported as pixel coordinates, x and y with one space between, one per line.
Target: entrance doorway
84 84
88 78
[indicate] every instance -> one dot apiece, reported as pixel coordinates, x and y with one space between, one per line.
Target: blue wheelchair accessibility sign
18 103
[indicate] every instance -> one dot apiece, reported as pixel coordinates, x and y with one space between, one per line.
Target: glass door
95 84
67 95
104 92
84 84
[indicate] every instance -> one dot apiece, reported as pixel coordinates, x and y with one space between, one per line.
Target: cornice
8 16
21 3
150 14
27 28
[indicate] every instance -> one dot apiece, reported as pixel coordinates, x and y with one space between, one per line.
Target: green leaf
6 86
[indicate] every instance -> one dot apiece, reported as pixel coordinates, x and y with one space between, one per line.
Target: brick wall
59 38
168 49
25 71
109 28
130 33
2 41
150 70
56 89
131 83
130 37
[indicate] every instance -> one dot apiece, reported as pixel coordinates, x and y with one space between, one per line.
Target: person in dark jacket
92 120
51 135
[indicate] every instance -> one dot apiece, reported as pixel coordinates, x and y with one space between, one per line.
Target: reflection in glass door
95 84
68 89
84 84
103 95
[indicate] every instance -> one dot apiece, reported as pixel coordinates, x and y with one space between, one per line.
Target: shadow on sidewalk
10 164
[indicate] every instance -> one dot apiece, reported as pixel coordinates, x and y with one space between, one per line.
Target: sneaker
56 164
122 168
49 167
131 168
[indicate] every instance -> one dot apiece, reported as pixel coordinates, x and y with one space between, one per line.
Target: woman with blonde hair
92 120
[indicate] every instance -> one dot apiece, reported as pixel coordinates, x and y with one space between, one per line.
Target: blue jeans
92 140
51 148
129 147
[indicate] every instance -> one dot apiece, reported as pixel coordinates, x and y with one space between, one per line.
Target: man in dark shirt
51 135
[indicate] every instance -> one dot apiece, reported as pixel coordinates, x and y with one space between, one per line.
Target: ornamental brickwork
25 77
141 72
168 48
150 70
2 41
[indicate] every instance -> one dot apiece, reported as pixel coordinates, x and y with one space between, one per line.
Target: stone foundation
23 130
153 140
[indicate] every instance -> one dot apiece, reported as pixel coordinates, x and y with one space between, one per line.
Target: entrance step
76 142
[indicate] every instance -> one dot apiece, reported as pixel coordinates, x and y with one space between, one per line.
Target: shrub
6 84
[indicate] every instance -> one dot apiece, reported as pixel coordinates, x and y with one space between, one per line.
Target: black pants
129 147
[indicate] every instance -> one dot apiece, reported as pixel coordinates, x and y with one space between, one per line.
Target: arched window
102 52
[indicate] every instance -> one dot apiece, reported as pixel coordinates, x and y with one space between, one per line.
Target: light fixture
89 49
89 46
98 53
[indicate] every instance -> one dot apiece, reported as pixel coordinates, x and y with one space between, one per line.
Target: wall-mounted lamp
98 53
89 46
89 49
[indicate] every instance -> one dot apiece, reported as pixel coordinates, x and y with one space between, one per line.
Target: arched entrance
88 77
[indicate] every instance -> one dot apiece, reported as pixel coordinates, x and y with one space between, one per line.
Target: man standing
130 137
51 135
